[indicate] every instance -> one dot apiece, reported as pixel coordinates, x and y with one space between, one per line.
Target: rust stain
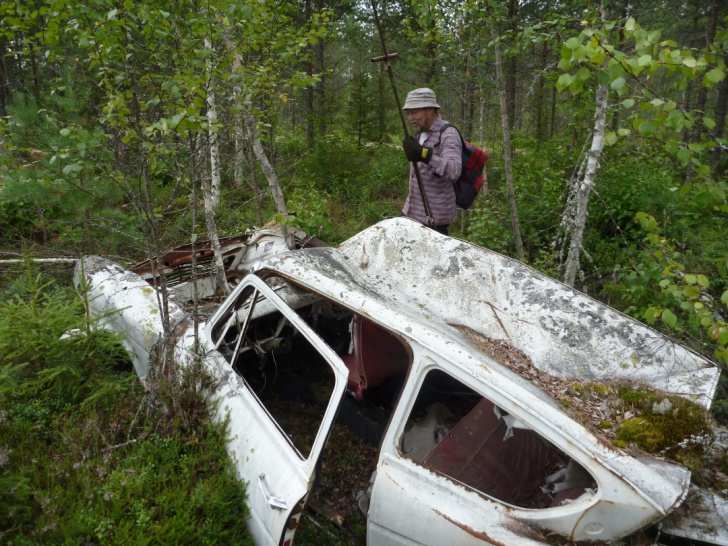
480 535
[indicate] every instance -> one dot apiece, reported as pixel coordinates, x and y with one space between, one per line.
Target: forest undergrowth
118 121
82 444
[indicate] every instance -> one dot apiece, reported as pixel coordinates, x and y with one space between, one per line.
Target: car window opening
456 432
378 362
290 378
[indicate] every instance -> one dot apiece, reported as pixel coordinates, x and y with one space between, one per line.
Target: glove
414 151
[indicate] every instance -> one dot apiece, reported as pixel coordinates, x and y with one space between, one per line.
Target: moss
656 432
605 425
642 432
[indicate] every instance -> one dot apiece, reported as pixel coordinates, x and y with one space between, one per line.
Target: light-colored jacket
438 176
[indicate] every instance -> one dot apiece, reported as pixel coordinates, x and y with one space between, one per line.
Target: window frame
425 365
262 290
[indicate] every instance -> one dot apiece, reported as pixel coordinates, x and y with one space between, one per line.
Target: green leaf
65 131
628 103
703 281
597 56
72 168
583 74
618 84
651 314
714 76
724 297
690 62
669 318
657 102
630 25
610 138
623 132
709 123
174 120
723 338
112 14
691 292
572 43
564 81
691 279
644 60
648 223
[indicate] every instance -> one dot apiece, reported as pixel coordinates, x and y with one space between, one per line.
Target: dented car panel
278 477
431 292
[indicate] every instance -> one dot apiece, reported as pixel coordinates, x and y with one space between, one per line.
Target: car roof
436 291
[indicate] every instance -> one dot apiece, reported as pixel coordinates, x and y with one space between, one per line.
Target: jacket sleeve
448 162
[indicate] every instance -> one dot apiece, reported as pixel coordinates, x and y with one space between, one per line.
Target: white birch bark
265 165
239 136
220 277
212 132
211 184
583 191
507 151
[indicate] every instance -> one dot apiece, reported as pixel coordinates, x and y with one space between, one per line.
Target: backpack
472 176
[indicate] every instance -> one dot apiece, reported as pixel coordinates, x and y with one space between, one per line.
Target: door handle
273 501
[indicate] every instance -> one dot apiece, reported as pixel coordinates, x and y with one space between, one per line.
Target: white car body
428 291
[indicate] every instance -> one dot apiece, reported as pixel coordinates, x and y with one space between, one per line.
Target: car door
466 466
251 335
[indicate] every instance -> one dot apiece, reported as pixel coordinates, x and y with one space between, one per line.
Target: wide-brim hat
422 97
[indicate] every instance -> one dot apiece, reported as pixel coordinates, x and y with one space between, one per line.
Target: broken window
378 363
377 359
456 432
293 381
279 365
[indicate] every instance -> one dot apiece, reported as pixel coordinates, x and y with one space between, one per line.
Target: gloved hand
414 151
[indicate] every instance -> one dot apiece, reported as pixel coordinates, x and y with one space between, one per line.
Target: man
438 155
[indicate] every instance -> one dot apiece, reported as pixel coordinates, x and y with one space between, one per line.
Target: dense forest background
127 127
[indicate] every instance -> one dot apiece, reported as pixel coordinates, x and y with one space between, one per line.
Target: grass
86 455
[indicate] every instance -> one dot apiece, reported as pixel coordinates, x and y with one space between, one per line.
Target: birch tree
211 183
622 58
575 213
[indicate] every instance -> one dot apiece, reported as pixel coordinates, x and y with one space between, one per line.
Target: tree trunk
36 78
309 91
212 134
552 124
211 190
507 151
4 87
576 225
220 278
721 107
268 171
321 87
702 97
481 119
540 132
511 64
381 127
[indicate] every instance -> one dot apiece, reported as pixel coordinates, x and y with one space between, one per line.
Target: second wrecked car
429 348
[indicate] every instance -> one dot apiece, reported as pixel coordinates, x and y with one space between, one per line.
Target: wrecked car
437 352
